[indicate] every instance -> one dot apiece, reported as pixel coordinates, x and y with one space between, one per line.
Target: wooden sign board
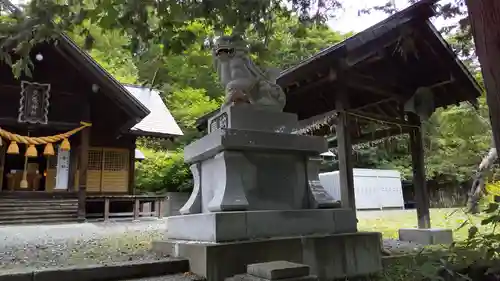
34 103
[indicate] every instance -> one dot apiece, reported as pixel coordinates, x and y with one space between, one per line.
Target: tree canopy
174 27
166 44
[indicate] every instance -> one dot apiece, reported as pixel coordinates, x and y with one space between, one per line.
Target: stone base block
244 140
251 117
329 257
248 277
431 236
275 270
234 226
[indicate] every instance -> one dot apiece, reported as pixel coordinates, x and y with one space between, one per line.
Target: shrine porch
40 207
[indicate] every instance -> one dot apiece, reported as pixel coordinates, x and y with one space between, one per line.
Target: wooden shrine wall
70 93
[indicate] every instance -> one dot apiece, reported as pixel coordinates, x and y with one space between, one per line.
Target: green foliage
163 171
476 258
188 104
455 140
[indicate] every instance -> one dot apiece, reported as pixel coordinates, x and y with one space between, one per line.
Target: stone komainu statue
242 79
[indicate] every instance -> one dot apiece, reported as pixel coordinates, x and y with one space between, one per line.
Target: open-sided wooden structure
368 78
75 89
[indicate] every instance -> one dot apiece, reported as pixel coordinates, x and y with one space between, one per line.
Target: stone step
19 210
41 221
174 277
166 268
8 218
35 205
36 212
49 200
7 206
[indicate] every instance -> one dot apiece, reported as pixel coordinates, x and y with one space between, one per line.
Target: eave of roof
135 108
160 122
392 21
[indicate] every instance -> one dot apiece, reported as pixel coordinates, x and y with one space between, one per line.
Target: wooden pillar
72 170
137 209
161 208
131 169
106 208
344 148
418 164
82 177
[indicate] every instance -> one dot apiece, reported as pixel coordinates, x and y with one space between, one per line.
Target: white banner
62 172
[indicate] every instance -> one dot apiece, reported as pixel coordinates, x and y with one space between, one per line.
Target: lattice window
115 160
95 160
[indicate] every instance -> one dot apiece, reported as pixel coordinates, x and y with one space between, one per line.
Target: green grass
388 223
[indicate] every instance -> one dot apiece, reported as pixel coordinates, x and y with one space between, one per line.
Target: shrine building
69 130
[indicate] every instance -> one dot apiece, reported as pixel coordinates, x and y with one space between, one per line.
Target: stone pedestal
257 198
236 226
241 168
430 236
329 256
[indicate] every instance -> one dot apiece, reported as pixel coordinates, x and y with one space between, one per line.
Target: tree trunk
478 189
484 16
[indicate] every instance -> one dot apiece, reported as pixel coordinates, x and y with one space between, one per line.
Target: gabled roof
112 88
160 122
391 59
115 90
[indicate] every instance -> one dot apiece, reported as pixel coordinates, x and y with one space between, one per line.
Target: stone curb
121 271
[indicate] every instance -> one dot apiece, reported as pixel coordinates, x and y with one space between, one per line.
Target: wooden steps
37 210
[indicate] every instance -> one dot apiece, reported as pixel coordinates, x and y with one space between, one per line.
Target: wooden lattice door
115 170
94 170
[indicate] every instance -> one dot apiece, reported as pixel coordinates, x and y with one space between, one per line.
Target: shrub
163 171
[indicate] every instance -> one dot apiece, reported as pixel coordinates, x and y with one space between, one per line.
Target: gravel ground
43 246
35 247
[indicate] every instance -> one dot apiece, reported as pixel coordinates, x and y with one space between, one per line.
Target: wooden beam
329 78
369 84
345 152
380 118
419 181
371 136
374 104
18 88
50 125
